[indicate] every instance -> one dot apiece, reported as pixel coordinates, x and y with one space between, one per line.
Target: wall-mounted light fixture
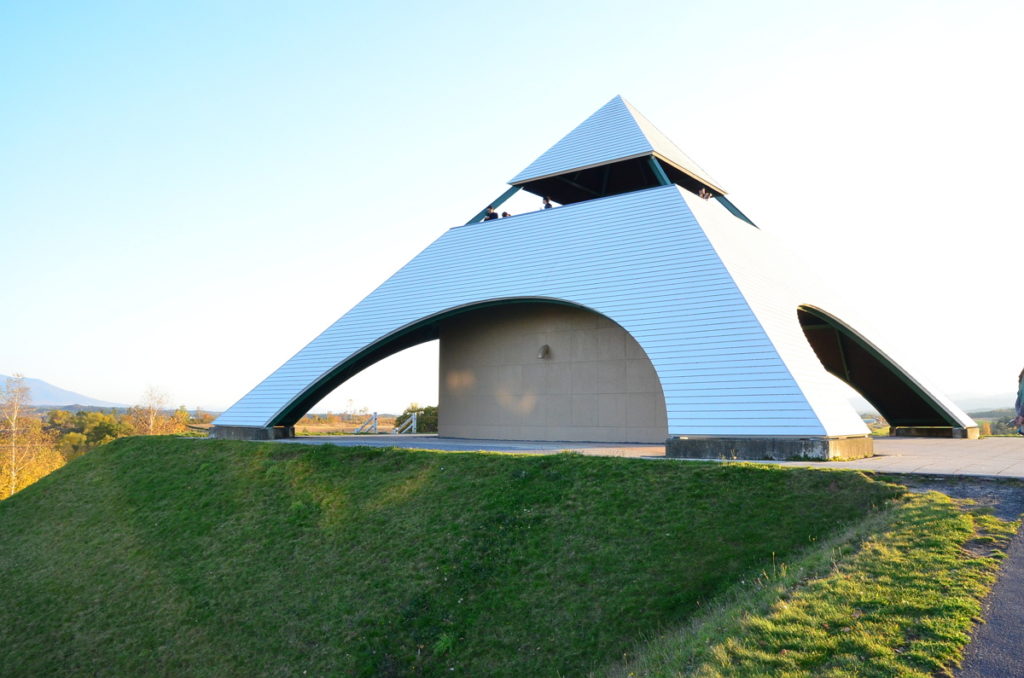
544 353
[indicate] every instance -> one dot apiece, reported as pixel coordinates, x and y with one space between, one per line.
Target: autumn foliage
34 445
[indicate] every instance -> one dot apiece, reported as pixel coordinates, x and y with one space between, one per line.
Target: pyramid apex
617 137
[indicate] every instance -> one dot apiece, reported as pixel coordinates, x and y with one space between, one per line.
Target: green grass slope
160 556
895 595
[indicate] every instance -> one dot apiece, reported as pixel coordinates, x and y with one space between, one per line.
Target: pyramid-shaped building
645 307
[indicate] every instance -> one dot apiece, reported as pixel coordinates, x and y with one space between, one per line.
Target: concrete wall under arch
596 384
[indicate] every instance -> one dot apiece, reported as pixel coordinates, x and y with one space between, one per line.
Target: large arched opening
523 369
860 364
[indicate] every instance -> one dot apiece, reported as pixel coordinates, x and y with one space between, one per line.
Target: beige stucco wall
596 385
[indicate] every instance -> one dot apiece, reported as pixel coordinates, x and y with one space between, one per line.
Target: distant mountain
48 395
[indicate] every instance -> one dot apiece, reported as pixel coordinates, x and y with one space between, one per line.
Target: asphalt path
997 646
996 649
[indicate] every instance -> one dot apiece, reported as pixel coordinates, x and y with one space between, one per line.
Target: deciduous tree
147 413
73 444
150 417
28 452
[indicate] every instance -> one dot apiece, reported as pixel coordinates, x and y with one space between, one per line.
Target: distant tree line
332 419
34 444
995 422
990 423
993 414
334 423
1000 426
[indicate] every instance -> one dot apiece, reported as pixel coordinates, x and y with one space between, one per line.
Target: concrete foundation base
824 448
935 432
252 433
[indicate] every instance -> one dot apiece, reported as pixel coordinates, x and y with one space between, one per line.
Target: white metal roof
711 300
724 340
617 131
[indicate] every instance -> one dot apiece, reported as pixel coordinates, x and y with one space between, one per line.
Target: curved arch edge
911 407
281 424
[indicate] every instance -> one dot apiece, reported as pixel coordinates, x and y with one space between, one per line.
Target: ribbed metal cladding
610 134
775 283
617 131
641 259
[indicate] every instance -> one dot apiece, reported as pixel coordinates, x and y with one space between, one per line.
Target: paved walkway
433 442
992 457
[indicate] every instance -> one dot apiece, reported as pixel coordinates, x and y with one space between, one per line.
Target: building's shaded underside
864 368
634 174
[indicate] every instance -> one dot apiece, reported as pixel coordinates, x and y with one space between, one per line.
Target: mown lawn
896 595
161 556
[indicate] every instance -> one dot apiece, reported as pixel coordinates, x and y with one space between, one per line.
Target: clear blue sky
190 192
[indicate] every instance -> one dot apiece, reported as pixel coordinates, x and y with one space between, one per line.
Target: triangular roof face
616 132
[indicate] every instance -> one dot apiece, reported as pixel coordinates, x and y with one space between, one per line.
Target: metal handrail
370 423
408 424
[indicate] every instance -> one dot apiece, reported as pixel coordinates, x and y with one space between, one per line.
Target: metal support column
659 171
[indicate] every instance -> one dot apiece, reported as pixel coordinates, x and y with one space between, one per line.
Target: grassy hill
161 556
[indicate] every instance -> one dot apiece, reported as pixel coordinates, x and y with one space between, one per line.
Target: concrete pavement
989 457
433 442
